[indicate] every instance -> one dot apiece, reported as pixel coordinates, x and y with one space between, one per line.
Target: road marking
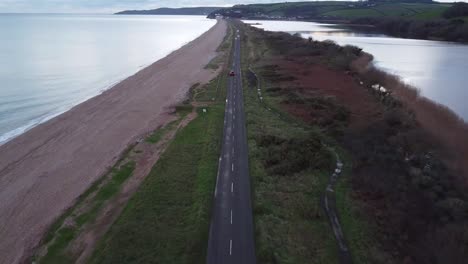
232 188
230 247
231 216
232 167
217 175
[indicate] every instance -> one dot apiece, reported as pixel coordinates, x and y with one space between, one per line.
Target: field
406 10
343 10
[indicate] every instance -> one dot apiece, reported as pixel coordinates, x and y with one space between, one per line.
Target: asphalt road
231 237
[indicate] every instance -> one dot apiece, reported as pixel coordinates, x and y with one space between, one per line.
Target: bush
290 156
459 9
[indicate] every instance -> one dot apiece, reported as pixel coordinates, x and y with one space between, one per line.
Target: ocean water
50 63
437 69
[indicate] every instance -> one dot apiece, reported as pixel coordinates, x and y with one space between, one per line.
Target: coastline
83 142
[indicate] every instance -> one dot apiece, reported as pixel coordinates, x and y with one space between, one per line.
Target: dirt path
329 205
43 171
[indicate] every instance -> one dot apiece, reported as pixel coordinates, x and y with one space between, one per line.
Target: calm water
50 63
438 69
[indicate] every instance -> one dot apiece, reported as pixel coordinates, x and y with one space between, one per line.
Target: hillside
406 19
197 11
326 10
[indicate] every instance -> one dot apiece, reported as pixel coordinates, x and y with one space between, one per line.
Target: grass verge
289 168
167 220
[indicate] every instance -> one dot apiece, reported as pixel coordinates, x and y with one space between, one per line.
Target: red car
232 73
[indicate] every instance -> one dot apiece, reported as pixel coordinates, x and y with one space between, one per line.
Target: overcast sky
107 6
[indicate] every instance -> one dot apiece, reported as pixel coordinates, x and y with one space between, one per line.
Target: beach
43 171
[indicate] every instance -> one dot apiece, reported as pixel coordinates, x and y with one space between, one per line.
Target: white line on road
232 167
232 186
231 216
230 247
217 175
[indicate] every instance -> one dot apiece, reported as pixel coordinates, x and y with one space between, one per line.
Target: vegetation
182 111
450 30
289 166
336 10
456 10
419 199
61 235
407 19
167 220
399 201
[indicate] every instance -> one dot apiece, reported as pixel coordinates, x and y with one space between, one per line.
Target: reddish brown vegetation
323 82
441 122
418 208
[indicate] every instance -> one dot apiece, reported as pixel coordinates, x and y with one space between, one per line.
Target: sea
50 63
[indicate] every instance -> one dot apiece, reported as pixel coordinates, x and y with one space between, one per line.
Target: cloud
108 6
76 6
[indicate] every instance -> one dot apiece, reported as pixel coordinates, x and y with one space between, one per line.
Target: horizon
105 7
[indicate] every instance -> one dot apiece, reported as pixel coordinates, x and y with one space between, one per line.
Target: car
231 73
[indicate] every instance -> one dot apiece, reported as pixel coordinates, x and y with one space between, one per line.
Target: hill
197 11
418 19
333 10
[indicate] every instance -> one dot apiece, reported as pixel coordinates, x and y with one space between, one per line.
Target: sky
110 6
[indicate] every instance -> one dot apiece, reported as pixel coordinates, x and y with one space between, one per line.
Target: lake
438 69
50 63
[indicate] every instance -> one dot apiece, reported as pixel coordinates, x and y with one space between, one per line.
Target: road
231 237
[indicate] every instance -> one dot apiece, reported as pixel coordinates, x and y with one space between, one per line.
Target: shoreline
84 141
7 136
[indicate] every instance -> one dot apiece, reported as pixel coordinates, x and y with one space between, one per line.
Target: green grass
418 11
55 251
159 133
356 226
290 225
352 13
182 111
167 220
210 91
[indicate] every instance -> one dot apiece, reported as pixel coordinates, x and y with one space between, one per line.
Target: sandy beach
43 171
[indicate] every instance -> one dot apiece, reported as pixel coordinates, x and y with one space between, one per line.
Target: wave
31 124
